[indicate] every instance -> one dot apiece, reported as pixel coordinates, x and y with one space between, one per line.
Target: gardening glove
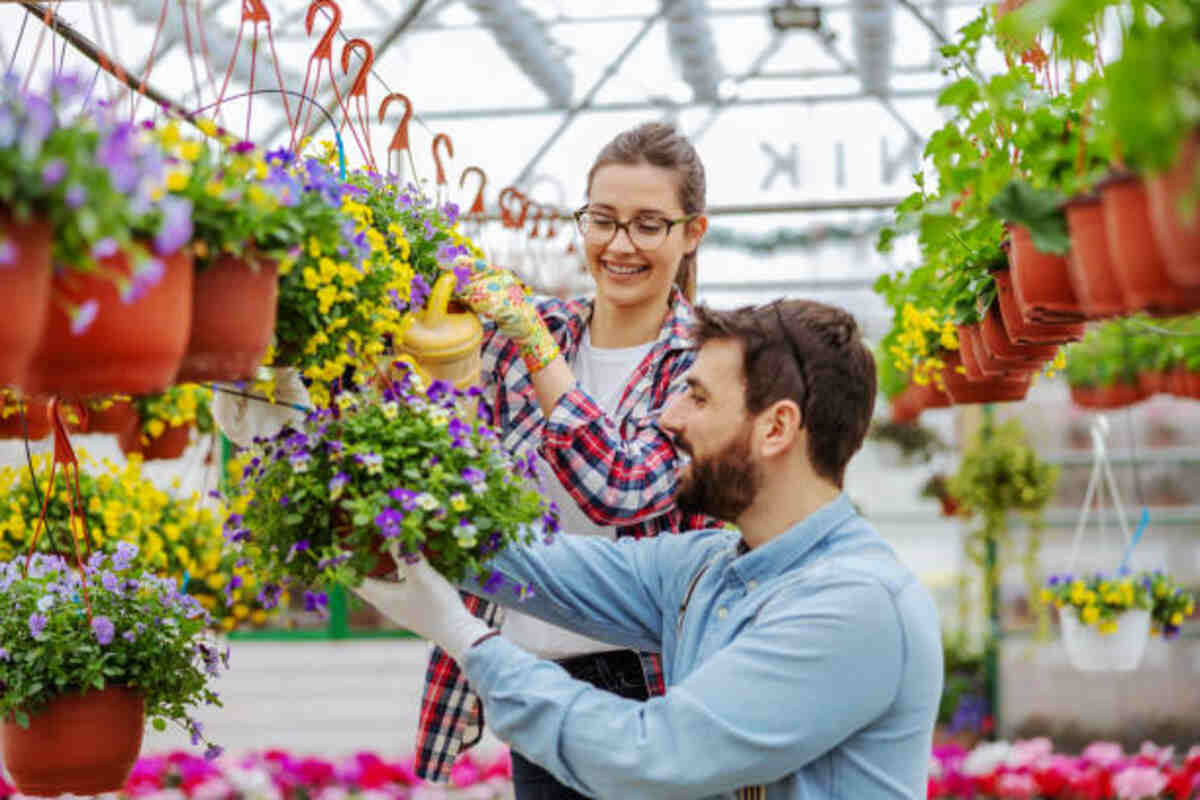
425 603
242 418
496 294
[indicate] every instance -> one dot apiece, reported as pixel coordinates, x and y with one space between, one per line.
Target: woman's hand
496 294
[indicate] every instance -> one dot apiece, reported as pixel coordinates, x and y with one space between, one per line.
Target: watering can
444 343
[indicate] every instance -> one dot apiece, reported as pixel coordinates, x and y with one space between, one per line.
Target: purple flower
494 582
284 500
315 601
244 146
105 248
388 521
282 156
75 196
268 596
102 627
337 483
232 586
405 497
110 582
473 476
37 624
459 430
116 154
298 547
129 636
197 731
54 171
462 275
213 752
451 211
8 253
334 561
418 292
126 551
430 231
176 230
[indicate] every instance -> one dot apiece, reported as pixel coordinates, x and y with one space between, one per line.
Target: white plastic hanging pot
1089 650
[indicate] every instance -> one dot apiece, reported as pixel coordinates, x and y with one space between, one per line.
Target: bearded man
803 659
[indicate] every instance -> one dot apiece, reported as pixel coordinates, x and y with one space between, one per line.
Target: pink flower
1029 752
1152 754
1016 785
1138 783
1104 754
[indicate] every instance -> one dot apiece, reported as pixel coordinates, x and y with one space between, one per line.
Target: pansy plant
402 466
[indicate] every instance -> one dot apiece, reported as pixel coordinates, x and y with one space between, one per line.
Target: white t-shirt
603 374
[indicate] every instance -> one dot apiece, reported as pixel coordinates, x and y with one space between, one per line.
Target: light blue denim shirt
811 665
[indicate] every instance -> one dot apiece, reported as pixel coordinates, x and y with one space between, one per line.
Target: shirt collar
791 548
676 330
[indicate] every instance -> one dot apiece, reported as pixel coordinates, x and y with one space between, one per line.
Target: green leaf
159 724
22 718
960 94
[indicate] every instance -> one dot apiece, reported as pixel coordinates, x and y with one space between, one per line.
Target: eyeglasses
646 233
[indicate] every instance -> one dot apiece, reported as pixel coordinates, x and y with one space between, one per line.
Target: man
803 660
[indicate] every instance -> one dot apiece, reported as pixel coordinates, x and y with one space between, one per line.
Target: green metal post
991 650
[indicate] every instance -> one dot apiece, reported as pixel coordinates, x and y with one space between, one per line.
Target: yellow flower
169 135
314 247
1046 596
177 180
190 151
207 126
1107 626
1177 619
1089 614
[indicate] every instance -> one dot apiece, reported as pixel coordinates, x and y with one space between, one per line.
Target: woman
581 383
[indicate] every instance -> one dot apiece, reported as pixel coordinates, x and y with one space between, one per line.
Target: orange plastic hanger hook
441 172
506 216
538 213
324 48
254 11
359 87
477 203
400 137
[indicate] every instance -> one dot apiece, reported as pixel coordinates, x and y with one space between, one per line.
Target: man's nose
669 420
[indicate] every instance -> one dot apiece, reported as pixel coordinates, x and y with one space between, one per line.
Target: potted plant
1001 473
1106 620
328 499
916 444
88 656
937 487
1102 370
165 421
246 215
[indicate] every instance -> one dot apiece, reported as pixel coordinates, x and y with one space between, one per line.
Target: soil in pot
233 319
84 744
1090 267
129 348
1139 264
1041 281
1177 235
24 294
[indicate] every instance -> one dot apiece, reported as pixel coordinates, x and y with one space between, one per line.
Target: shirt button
752 585
722 613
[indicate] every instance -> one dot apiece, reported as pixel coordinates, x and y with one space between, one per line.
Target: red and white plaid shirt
621 472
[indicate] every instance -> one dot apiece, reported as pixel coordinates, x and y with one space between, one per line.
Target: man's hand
495 293
243 418
425 603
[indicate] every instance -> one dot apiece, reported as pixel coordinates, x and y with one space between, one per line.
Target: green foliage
1117 351
1000 471
143 634
1040 211
1098 599
915 442
403 465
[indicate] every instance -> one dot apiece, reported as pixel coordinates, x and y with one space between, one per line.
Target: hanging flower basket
1091 268
171 443
129 348
1139 263
993 390
83 744
24 293
1152 382
904 405
1002 350
970 346
233 318
1179 238
1114 395
116 416
1090 650
1026 332
35 424
966 352
1041 281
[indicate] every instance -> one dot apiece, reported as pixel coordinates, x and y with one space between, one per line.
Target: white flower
390 409
984 759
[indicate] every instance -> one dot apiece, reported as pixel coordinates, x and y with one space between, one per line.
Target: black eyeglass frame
619 226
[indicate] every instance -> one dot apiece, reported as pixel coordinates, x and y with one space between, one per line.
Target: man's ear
782 425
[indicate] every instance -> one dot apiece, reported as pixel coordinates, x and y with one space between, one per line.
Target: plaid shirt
621 473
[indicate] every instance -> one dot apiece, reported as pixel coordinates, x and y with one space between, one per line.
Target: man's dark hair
813 354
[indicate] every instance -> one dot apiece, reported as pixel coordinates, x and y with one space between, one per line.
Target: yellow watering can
445 344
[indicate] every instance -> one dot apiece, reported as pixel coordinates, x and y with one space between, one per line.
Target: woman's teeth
621 269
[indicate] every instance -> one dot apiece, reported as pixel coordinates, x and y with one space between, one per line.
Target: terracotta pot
1117 395
1179 238
83 744
36 423
130 348
966 352
1090 267
171 443
993 390
1026 332
904 406
1152 381
1001 349
930 396
116 418
233 319
1041 281
1178 382
24 294
949 505
1139 264
975 350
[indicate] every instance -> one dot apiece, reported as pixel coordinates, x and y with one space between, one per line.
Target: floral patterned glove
495 293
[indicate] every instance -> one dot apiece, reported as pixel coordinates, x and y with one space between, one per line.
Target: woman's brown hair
660 145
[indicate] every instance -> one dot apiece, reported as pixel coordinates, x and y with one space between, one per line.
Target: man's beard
722 486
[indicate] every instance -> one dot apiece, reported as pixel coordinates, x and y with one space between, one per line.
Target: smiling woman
576 387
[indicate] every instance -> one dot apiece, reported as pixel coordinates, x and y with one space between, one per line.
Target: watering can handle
439 298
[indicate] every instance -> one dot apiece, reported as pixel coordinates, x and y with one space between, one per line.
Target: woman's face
626 275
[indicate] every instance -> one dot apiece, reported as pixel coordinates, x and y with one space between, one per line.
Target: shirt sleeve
608 590
801 679
617 476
